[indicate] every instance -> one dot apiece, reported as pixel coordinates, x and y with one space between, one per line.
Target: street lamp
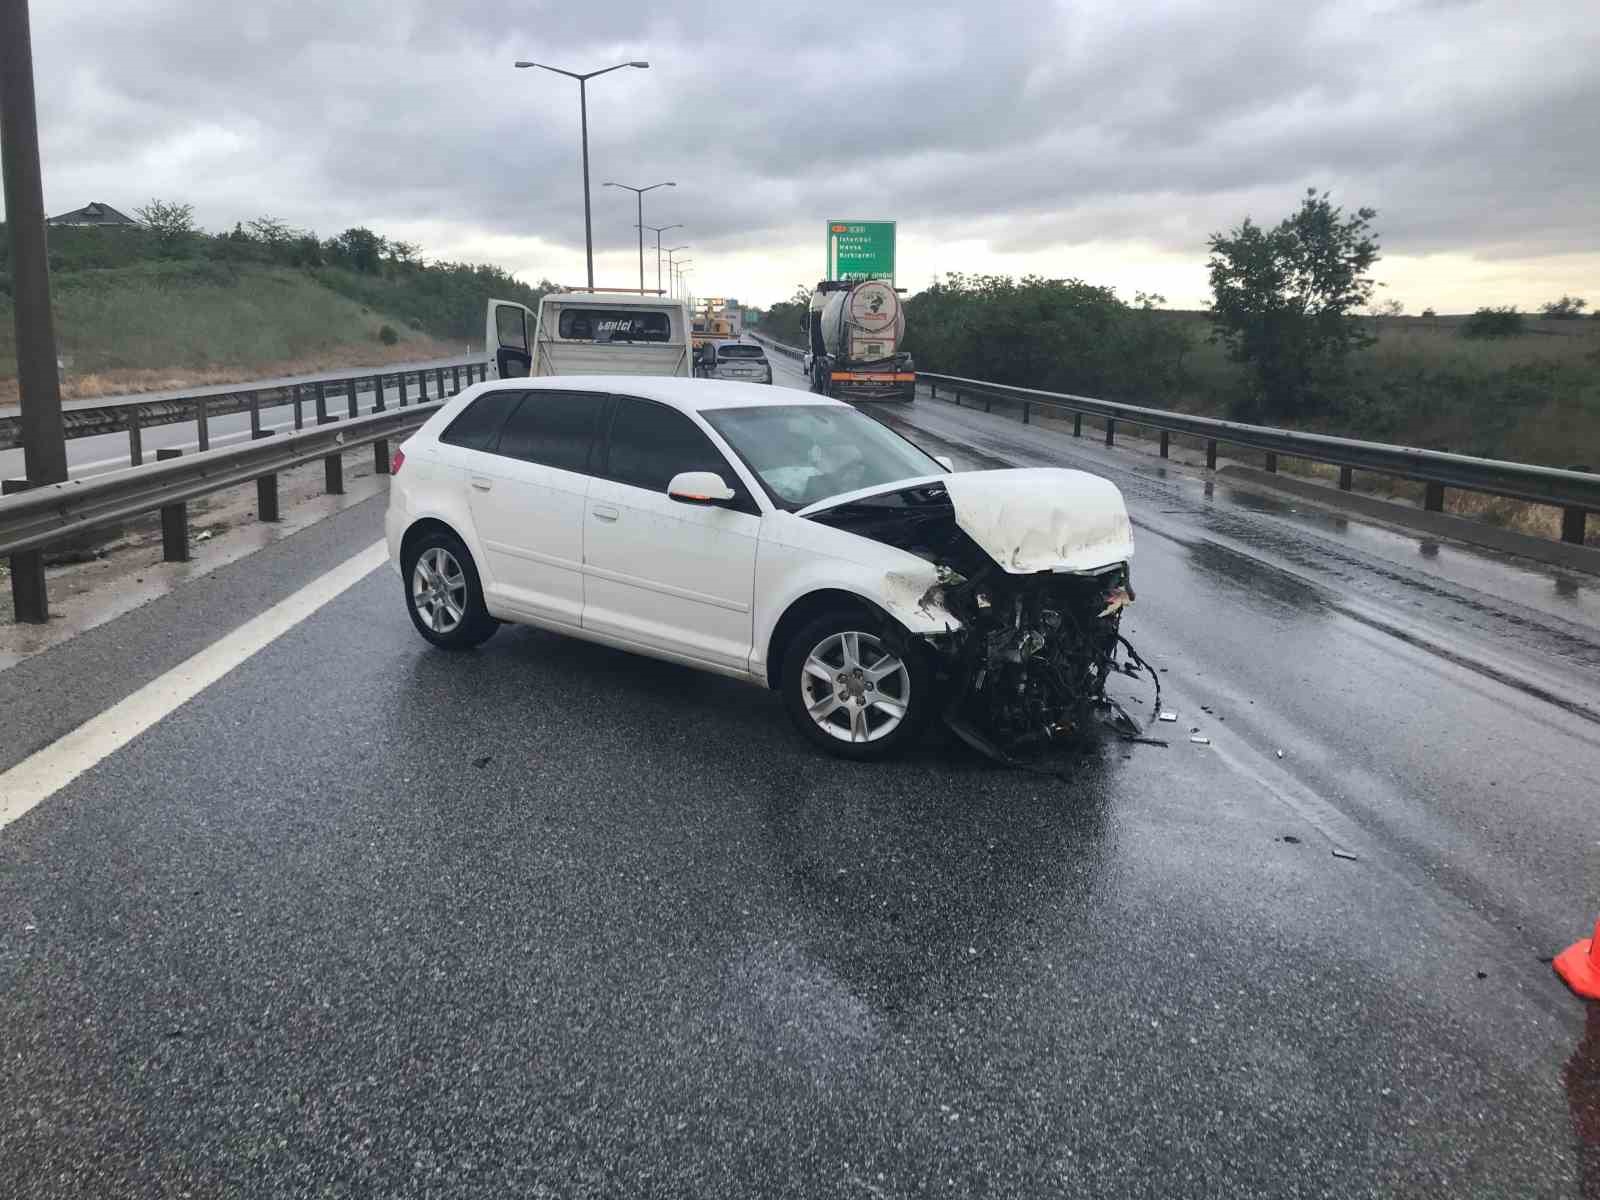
639 195
583 108
660 229
679 272
669 252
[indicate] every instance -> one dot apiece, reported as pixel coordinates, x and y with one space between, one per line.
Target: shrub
1494 323
388 335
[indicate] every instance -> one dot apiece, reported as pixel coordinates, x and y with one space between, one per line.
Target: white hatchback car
777 537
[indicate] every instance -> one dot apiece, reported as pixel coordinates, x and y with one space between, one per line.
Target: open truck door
509 336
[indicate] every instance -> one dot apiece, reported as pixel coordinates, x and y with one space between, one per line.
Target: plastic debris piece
1200 739
1280 753
1168 716
482 762
1345 854
1291 839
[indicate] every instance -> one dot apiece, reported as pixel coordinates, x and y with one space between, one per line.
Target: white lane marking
46 772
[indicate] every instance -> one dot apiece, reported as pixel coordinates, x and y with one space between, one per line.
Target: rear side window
554 429
650 443
479 423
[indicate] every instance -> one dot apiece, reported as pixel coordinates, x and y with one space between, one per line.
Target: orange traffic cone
1579 966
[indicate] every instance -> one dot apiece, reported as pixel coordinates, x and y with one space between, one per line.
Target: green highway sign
861 250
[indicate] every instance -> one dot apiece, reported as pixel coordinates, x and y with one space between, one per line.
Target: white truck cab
588 333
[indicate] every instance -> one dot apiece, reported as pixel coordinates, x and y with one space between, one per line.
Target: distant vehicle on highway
787 540
854 332
588 333
745 362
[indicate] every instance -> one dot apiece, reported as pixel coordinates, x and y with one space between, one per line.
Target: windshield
803 453
741 352
613 325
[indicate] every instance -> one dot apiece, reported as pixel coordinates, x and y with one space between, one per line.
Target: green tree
785 321
170 223
1494 323
1568 308
359 249
1285 300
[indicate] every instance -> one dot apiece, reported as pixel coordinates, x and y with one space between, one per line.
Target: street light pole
669 252
639 194
583 111
660 229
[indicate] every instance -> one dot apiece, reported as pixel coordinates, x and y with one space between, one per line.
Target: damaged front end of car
1031 576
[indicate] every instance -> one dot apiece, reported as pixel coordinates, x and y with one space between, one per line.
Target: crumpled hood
1043 518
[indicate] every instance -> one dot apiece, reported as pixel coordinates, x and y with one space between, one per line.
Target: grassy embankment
130 318
1534 398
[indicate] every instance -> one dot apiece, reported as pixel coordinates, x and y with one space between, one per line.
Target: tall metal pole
44 446
588 226
658 262
640 198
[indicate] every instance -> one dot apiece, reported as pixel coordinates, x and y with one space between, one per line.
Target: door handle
605 512
481 483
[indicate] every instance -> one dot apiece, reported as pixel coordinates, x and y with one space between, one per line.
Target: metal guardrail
135 414
33 517
1576 493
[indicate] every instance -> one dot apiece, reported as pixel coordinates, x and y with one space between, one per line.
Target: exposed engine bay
1029 652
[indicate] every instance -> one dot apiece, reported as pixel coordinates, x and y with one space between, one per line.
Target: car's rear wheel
850 692
443 593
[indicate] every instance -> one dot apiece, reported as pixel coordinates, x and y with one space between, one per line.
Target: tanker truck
854 331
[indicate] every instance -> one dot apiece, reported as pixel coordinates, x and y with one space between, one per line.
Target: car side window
478 425
650 443
554 429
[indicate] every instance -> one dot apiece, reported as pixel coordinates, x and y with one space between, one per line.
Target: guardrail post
380 456
255 414
266 488
933 390
401 380
958 397
30 602
1573 522
1433 497
438 379
988 402
422 387
1272 463
1346 478
1111 431
322 403
455 380
351 408
1077 424
202 426
1211 454
377 393
299 417
174 521
1166 444
1027 408
135 437
333 474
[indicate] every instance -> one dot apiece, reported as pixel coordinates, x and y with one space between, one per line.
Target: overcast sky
1102 140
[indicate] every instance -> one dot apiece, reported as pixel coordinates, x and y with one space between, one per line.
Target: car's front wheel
444 594
852 694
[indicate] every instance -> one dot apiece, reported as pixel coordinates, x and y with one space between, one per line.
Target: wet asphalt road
548 919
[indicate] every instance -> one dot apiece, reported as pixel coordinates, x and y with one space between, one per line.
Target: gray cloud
1470 126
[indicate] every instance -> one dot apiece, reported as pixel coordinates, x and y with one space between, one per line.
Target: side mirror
945 461
699 487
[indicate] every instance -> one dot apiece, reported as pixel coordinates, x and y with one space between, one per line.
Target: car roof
689 395
626 299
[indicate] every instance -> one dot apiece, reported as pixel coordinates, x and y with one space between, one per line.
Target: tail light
397 461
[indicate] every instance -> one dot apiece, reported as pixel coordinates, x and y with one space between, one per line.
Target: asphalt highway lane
548 919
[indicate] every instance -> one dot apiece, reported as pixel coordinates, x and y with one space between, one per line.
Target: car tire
879 717
445 605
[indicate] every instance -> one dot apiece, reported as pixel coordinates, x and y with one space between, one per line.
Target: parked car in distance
785 539
745 362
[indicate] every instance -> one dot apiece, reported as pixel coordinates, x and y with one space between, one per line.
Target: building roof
93 213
